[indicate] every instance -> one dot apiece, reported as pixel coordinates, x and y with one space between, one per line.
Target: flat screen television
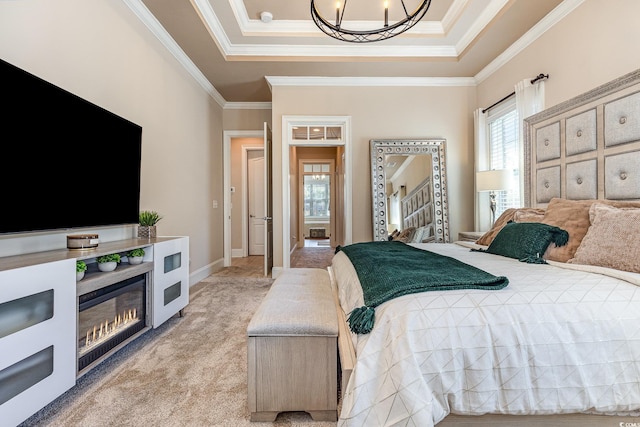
66 163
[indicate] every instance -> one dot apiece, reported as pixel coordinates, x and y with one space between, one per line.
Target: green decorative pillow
527 241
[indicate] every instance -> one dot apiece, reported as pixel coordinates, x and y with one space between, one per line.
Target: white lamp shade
494 180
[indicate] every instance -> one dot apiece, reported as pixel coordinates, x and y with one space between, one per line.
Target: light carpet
191 371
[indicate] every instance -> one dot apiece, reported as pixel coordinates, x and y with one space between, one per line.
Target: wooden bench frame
292 370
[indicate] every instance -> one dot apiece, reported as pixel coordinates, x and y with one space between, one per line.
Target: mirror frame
436 148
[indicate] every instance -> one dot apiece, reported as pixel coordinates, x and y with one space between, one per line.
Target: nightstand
469 236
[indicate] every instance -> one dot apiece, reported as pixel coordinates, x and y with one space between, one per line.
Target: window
317 183
316 133
502 129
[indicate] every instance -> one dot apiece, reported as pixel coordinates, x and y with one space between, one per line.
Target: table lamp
492 181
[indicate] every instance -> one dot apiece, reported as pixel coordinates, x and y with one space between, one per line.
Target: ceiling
225 44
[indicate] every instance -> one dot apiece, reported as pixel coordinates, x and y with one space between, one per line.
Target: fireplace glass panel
22 313
109 316
26 373
172 262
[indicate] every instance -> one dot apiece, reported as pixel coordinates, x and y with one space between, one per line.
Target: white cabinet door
170 278
37 337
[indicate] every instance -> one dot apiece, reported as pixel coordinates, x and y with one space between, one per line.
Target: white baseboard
237 253
275 272
205 271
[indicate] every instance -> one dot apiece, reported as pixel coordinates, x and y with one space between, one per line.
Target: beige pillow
406 235
612 240
502 220
508 215
573 216
529 215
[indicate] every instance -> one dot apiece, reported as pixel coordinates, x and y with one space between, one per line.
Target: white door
256 195
268 202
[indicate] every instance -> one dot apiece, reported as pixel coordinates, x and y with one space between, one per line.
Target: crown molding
345 51
480 23
306 28
371 81
291 28
247 106
228 49
150 21
254 27
546 23
452 15
204 7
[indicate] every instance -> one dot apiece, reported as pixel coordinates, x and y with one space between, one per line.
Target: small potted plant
147 224
81 267
108 262
135 256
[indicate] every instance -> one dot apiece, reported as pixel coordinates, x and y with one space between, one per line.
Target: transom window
316 133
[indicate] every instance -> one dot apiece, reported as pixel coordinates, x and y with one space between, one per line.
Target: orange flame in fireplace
106 329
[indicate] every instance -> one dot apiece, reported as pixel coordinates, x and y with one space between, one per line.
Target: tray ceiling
229 47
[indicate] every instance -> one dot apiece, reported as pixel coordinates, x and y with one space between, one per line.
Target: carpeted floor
191 371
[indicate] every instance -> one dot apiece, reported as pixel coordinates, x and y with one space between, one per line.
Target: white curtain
529 100
481 150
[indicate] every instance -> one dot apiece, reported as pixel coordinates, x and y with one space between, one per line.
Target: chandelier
370 35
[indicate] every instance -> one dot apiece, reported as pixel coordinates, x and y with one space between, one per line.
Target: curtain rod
533 80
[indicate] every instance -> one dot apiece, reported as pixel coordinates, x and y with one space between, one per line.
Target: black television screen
66 163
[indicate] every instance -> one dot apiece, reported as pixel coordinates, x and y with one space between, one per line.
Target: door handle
267 218
251 216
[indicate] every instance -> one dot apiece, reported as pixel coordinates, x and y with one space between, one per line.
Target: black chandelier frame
367 36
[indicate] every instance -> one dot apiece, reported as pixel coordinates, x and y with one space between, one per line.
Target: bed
564 336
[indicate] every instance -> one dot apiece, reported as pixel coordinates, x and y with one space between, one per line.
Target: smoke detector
266 17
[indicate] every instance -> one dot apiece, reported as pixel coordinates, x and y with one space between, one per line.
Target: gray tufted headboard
587 147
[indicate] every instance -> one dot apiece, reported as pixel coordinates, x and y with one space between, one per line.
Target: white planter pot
107 266
79 275
135 260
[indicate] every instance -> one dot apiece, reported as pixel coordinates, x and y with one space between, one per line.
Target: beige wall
100 51
593 45
245 119
385 113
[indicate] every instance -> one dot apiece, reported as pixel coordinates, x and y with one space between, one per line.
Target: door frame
287 123
228 135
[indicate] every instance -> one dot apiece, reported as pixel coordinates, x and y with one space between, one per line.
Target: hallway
312 255
315 253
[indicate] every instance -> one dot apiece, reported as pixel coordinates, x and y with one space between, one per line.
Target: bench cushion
299 303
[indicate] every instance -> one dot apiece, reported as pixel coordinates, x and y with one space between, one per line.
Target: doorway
255 202
317 206
300 132
237 146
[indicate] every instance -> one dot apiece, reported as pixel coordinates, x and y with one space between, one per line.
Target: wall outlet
215 204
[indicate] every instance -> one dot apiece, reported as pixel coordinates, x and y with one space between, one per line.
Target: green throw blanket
391 269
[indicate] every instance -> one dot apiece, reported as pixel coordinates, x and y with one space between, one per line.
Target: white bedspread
556 340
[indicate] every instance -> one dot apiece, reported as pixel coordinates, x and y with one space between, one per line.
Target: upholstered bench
292 348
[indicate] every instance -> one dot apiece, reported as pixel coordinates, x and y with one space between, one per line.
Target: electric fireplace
109 316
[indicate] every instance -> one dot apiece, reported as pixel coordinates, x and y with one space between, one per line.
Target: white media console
41 330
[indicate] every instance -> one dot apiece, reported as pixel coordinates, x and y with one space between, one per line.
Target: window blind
502 126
